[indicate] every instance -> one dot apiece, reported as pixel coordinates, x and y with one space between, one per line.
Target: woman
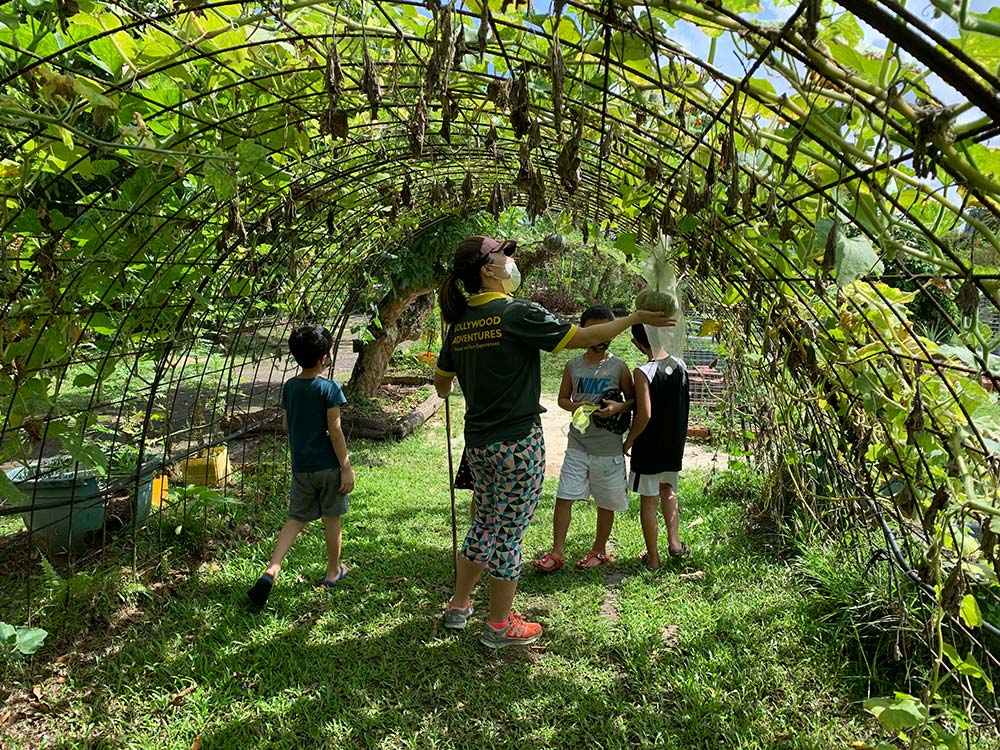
492 346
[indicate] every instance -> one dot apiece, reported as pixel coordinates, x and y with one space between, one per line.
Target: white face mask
511 283
513 280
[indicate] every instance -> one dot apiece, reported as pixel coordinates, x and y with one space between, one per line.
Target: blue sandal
329 583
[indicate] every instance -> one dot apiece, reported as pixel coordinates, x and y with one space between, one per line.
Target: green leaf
952 653
855 258
29 640
626 243
970 613
11 492
223 183
899 713
7 632
250 155
689 223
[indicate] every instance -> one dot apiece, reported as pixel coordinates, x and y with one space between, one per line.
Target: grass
731 656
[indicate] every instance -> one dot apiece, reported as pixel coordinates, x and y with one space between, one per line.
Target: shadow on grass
630 660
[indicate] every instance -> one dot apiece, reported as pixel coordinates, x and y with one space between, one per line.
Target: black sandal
684 551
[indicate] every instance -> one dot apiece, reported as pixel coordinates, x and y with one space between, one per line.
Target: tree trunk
402 318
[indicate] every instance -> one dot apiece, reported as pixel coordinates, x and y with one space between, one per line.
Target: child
322 475
594 463
656 442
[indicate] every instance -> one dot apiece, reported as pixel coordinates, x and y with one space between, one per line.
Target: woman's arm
595 334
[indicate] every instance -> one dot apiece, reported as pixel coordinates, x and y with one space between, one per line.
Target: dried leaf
483 32
830 249
417 127
196 742
176 700
652 171
557 71
520 107
747 199
498 92
497 203
333 79
370 83
915 419
235 224
467 185
968 297
938 503
449 109
406 193
568 165
696 575
442 56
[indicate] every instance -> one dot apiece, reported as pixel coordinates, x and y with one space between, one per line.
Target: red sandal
549 563
586 562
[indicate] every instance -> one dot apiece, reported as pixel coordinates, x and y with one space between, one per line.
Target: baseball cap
476 248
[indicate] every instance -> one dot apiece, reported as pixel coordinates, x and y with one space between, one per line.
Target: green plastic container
72 506
78 508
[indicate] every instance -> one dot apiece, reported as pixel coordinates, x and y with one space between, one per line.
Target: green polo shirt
493 350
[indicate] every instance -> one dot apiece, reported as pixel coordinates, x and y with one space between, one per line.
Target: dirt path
555 424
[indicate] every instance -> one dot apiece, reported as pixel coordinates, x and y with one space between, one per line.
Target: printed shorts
649 484
316 494
583 475
506 485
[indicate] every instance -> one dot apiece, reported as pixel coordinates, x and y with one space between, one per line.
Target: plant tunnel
182 183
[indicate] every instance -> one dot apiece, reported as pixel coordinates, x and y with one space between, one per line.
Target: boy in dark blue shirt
322 475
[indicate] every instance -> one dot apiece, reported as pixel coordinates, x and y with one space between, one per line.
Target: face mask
511 283
602 347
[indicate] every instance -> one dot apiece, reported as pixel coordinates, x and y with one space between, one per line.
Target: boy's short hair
639 334
309 344
596 312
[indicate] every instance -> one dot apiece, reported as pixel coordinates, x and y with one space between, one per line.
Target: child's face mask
600 348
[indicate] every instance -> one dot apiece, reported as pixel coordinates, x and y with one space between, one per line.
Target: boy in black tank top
656 443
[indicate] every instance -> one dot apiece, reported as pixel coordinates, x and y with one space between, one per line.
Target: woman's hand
653 318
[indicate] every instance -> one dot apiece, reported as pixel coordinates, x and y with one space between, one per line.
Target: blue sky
731 62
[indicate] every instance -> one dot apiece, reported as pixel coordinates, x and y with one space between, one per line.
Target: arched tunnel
183 183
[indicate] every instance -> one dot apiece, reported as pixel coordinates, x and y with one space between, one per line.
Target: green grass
733 659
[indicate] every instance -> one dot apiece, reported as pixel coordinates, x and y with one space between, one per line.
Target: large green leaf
899 713
855 256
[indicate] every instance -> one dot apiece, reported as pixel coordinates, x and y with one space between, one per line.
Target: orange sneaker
518 632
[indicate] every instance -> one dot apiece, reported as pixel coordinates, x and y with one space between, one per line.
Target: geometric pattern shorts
506 485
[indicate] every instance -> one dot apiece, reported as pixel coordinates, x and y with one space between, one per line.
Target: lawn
721 651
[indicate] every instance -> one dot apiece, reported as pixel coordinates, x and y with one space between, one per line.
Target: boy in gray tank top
595 464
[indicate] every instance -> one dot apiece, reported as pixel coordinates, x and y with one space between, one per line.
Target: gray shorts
315 494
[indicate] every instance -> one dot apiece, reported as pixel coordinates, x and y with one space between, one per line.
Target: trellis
176 178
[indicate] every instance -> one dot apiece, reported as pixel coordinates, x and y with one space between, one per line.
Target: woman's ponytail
451 300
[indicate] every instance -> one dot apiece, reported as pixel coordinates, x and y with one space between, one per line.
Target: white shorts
649 484
602 477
